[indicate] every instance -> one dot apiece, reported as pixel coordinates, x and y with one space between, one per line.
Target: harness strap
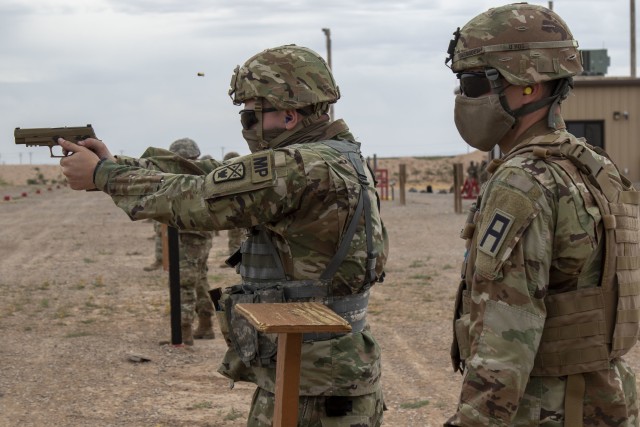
345 244
352 152
573 401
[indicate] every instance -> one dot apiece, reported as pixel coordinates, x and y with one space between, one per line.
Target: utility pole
221 153
632 12
550 5
327 33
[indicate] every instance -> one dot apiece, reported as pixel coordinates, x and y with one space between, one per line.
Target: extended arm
254 189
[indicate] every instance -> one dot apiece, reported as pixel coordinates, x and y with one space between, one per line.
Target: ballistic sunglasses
477 83
248 117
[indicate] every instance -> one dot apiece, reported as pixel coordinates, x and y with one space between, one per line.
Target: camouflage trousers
321 411
157 229
194 287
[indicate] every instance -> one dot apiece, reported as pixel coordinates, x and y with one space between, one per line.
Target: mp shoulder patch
261 168
495 233
246 173
227 173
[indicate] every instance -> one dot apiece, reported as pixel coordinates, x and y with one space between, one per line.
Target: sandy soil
75 304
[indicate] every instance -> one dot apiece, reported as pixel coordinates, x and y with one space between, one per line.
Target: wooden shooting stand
290 321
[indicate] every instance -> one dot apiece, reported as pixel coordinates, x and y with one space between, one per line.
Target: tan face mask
255 144
482 122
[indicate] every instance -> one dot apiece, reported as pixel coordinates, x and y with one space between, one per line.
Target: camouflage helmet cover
230 155
526 43
185 147
288 77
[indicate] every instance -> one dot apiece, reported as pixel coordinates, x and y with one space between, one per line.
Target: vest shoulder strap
351 151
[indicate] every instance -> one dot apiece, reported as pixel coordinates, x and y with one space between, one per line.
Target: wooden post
457 187
290 321
287 379
402 179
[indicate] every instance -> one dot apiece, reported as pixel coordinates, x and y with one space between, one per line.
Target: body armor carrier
586 328
264 279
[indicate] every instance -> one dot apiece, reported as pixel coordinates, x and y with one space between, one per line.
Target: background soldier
550 239
483 175
194 253
472 171
157 246
316 233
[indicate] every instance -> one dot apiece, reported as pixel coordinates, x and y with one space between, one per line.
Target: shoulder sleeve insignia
246 173
496 233
507 212
261 169
228 173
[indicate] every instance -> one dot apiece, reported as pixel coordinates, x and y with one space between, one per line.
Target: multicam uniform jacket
537 233
304 195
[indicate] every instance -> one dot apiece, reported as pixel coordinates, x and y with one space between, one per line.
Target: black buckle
452 47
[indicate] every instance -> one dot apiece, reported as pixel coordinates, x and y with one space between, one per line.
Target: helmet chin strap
308 120
560 93
257 108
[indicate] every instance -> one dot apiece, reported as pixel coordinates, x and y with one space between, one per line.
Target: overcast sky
129 67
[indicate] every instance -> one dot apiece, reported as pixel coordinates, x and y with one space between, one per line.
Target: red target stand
382 178
470 189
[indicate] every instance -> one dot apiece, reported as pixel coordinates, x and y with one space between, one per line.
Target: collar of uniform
538 129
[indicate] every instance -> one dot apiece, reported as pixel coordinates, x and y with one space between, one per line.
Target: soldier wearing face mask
310 203
549 300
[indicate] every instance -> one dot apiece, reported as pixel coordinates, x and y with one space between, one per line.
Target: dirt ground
75 304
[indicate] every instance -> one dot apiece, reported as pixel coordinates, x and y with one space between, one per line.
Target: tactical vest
586 328
264 279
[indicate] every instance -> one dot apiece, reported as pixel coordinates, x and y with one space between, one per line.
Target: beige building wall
616 102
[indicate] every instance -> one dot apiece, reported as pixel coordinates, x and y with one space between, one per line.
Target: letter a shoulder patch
506 214
496 232
242 174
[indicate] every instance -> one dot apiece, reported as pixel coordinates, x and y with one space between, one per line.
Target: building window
591 130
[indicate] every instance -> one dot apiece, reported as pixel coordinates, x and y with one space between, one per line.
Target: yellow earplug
527 90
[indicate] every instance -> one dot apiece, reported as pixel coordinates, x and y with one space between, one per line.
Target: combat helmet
185 147
288 77
525 43
230 155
